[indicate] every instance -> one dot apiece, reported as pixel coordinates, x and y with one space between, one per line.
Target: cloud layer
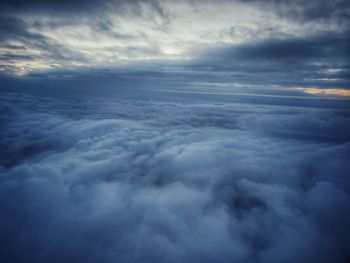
107 180
51 35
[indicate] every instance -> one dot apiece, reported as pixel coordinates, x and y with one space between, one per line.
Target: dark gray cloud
15 29
294 61
311 11
105 180
77 6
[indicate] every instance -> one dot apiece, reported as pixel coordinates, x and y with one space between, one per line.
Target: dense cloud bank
149 181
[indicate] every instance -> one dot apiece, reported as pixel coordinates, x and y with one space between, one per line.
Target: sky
174 131
282 44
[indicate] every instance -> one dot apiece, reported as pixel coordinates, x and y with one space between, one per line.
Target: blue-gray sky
288 44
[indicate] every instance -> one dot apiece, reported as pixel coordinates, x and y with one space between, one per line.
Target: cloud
107 34
30 50
57 34
310 11
105 180
317 60
79 6
309 61
322 48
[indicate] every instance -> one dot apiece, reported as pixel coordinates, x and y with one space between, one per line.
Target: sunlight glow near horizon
327 91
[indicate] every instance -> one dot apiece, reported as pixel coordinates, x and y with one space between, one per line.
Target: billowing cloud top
114 180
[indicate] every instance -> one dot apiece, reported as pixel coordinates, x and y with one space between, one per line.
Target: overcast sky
298 44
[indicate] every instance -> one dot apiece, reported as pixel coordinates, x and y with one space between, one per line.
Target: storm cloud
114 180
